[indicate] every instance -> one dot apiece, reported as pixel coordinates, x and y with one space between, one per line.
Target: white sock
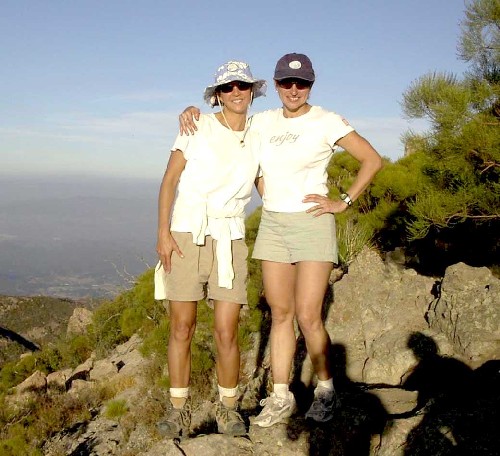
178 397
324 385
227 392
281 390
179 392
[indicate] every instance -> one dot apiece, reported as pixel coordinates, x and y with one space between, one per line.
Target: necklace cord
241 140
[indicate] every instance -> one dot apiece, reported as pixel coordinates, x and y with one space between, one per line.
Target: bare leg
311 283
182 326
227 316
279 284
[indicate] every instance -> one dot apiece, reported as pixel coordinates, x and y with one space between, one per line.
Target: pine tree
461 151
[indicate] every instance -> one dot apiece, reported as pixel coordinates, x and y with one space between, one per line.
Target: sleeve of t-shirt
181 143
260 120
184 143
338 127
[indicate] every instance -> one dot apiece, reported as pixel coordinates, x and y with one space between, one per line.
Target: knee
281 315
182 331
309 324
226 337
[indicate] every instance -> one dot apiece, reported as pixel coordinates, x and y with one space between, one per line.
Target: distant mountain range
76 237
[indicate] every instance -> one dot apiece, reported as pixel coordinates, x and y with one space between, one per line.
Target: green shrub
17 445
352 237
132 319
105 329
24 432
156 341
13 373
116 408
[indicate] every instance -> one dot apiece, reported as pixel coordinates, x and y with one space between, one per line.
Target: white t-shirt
294 155
215 186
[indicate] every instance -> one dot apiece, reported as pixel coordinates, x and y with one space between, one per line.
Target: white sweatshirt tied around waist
223 226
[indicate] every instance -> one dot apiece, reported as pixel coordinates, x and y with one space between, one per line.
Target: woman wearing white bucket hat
296 240
201 241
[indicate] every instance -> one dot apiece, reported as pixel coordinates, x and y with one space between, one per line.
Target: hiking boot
229 421
276 410
176 423
323 405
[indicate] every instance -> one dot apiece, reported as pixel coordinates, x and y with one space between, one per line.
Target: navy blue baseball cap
294 66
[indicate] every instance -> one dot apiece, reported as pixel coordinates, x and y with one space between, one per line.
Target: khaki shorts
195 277
288 237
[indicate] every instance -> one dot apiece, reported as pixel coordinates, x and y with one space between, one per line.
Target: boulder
467 311
375 306
79 320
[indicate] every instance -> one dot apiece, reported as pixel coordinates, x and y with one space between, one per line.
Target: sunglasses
228 88
301 84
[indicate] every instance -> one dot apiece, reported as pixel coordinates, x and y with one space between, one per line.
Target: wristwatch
346 199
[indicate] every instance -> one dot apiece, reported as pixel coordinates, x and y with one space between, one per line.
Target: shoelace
224 412
277 400
321 401
316 406
227 411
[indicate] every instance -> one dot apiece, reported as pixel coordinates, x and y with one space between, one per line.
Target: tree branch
493 216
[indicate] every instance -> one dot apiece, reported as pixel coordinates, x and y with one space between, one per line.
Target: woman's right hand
165 246
186 122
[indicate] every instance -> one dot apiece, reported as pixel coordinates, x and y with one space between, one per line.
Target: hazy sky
95 87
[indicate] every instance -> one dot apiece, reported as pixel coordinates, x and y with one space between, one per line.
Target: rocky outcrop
416 362
467 311
375 306
35 382
79 320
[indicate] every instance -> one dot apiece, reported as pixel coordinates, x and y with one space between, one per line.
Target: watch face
346 198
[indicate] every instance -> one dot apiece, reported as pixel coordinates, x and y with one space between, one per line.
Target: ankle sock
228 396
178 396
281 390
324 385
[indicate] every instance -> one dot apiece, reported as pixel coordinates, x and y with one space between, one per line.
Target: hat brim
279 76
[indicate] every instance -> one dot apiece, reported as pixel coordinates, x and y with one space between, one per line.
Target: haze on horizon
76 236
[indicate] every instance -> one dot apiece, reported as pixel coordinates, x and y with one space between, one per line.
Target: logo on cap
295 65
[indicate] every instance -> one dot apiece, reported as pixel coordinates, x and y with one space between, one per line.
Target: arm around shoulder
187 125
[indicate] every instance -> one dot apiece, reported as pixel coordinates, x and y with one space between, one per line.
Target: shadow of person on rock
445 395
303 393
262 369
480 428
359 421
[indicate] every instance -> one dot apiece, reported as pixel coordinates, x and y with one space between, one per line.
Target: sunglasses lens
243 85
299 83
228 88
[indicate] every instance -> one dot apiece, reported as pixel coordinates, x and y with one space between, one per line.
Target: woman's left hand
324 205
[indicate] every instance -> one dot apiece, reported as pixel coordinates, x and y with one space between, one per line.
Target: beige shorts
195 277
288 237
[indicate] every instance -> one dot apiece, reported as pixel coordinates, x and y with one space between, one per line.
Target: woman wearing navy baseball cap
296 241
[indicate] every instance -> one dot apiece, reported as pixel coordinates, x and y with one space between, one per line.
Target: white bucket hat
233 71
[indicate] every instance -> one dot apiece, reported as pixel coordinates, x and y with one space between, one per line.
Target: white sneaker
323 405
276 410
